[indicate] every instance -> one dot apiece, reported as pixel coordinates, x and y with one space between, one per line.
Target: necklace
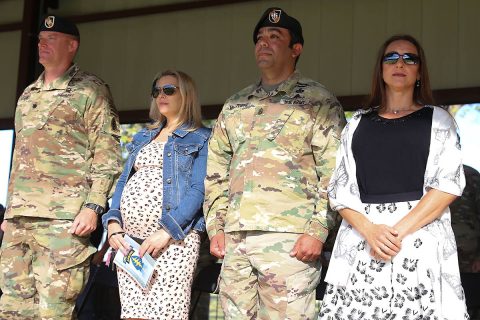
399 110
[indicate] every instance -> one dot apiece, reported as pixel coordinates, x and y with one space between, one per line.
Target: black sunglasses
408 58
168 90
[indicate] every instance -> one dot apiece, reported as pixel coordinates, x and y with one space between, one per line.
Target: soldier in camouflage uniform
270 159
466 227
65 161
466 222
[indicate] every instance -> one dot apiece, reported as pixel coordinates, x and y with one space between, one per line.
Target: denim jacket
184 168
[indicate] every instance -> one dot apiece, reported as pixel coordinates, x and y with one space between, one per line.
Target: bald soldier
65 161
270 159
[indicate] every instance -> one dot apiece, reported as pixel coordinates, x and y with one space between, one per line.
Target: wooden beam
28 45
6 124
138 116
14 26
134 12
165 8
349 103
457 96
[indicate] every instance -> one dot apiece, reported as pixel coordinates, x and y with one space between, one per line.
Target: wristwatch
95 207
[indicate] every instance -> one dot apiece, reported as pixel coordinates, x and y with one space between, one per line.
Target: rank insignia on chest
295 101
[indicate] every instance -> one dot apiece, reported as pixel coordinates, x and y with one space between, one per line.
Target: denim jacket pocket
185 153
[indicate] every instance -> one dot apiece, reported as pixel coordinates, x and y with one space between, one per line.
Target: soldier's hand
476 266
154 243
217 245
85 223
307 248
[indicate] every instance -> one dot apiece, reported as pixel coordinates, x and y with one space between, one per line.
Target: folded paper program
140 269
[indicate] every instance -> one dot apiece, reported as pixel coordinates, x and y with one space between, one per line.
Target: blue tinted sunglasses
393 57
168 90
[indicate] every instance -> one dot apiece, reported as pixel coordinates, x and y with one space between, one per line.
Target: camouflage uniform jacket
270 159
67 150
466 220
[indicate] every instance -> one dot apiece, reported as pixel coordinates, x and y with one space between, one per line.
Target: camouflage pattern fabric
67 149
259 279
270 159
465 213
43 268
67 153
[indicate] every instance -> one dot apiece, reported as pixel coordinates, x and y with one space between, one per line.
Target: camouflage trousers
259 279
43 268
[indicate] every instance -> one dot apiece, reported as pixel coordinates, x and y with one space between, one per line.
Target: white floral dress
423 280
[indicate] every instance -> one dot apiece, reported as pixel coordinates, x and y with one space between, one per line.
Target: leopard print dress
168 294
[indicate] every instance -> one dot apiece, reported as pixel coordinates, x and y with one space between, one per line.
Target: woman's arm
383 239
177 219
430 207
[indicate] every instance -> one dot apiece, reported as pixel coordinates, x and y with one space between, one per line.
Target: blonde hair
189 113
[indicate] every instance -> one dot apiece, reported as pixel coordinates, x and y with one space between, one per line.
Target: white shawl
444 172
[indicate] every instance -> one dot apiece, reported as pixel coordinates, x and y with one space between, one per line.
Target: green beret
59 24
276 17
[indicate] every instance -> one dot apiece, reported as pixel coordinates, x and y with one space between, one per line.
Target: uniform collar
285 87
59 84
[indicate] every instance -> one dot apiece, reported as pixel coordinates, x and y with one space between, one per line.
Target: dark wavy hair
421 94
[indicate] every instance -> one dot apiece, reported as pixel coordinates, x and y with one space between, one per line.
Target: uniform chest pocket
185 154
291 128
33 116
239 125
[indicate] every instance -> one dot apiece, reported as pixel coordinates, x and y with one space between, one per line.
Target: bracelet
115 233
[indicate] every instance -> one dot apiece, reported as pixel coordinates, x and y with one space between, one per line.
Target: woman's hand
429 208
383 240
154 243
115 237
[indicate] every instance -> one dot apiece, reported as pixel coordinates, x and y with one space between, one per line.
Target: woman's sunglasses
393 57
168 90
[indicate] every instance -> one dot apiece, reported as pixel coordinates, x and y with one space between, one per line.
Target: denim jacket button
169 154
167 207
169 180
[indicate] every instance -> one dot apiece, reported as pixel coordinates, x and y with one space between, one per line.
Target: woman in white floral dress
398 169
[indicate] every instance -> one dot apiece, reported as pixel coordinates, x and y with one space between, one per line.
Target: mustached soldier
269 163
65 161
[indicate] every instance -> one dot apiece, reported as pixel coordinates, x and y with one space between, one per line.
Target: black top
391 156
